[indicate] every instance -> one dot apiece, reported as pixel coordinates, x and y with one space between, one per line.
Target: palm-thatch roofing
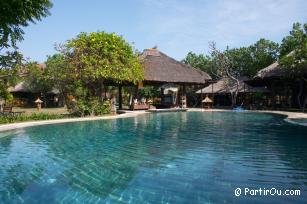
160 68
273 70
207 100
221 88
20 87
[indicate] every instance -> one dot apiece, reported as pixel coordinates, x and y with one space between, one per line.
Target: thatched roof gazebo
160 68
219 87
272 71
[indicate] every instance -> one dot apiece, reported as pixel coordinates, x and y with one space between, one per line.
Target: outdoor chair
8 111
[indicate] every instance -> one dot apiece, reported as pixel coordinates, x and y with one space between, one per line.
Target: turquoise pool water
198 157
298 121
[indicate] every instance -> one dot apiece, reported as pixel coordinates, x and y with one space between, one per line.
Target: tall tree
293 59
263 52
249 60
246 60
199 61
57 70
37 80
226 71
16 14
97 58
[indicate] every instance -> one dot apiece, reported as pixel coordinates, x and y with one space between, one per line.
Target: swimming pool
193 157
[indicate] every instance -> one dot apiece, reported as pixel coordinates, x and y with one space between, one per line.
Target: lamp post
38 104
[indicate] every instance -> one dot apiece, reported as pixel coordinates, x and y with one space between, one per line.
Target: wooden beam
120 97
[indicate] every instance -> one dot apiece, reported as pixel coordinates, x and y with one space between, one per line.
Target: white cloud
179 26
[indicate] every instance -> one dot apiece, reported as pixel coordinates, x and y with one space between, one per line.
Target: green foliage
87 63
4 93
202 62
35 116
294 52
101 56
37 80
10 60
249 60
9 78
149 92
246 61
89 106
264 53
16 14
59 75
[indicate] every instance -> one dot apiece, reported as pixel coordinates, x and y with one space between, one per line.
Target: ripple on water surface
196 157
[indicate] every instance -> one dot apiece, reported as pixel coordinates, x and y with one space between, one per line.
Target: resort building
170 77
285 89
220 93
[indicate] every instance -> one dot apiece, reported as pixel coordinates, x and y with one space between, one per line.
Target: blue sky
175 26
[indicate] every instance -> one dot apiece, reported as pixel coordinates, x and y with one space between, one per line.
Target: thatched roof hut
220 88
272 71
207 100
160 68
20 87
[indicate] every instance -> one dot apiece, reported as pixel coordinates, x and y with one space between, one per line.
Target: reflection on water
156 158
297 121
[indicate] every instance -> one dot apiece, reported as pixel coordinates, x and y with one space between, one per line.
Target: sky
174 26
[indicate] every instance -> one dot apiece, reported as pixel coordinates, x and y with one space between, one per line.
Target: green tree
199 61
37 81
264 53
96 59
16 14
59 75
226 71
246 60
249 60
149 92
293 58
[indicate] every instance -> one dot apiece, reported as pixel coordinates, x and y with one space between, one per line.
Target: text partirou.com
266 192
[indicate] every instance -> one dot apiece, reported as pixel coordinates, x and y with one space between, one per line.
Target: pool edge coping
19 125
127 114
289 115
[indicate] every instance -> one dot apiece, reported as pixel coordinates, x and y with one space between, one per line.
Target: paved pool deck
127 114
13 126
289 115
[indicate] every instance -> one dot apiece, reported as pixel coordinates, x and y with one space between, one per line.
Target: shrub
90 106
35 116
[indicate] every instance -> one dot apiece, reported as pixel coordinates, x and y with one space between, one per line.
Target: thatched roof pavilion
220 88
267 75
272 71
160 68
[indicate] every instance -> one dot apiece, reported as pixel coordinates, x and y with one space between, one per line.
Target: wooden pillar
120 97
212 92
201 97
162 95
184 97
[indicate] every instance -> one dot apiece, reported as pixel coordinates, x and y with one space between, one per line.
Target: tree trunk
101 92
235 94
300 94
304 104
